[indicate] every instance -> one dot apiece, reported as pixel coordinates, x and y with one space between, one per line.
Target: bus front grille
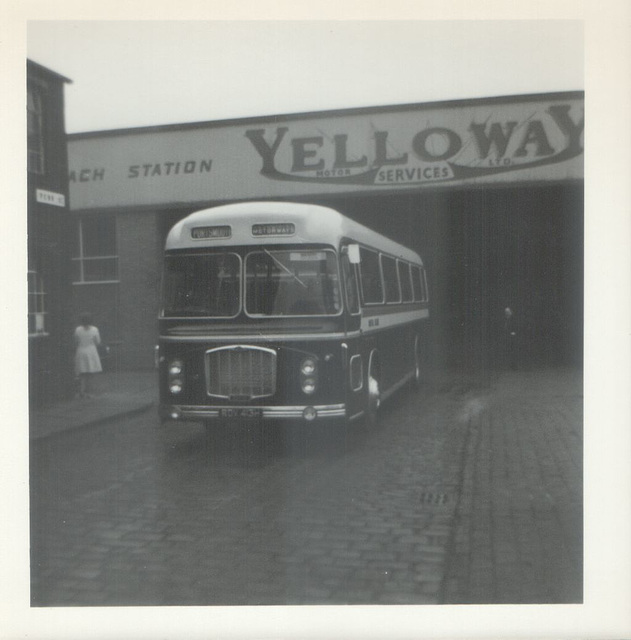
241 372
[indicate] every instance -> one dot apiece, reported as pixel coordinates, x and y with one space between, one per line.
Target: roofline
468 102
242 215
41 68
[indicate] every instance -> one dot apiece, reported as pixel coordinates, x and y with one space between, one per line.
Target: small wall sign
50 197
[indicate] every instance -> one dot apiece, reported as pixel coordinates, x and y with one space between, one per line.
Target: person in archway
509 339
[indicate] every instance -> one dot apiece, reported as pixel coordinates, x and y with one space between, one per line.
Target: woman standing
87 361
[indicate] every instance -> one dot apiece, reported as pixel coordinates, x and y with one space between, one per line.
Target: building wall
49 226
140 260
126 311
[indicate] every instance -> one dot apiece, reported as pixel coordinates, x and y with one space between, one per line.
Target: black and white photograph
308 316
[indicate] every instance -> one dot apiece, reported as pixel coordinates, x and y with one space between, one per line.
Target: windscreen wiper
285 269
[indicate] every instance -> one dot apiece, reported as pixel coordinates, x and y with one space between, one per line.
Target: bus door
355 369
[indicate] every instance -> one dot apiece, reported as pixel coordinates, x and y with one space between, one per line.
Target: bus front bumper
308 413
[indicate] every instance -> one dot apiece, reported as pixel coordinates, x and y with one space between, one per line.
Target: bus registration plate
241 412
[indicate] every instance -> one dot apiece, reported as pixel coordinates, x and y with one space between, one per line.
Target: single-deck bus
275 310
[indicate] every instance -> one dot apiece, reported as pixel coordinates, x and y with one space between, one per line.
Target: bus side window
372 289
350 285
418 287
391 279
406 282
424 285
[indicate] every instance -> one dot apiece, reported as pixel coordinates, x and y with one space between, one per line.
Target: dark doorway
486 249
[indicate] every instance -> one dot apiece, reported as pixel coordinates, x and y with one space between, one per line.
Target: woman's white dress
87 356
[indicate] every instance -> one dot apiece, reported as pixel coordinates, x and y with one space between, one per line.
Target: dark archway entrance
487 249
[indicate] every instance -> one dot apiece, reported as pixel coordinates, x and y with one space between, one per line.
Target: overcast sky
128 74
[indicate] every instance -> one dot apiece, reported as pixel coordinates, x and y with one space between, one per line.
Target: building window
35 131
95 257
36 305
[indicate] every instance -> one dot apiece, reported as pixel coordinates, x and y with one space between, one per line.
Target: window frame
407 269
393 260
39 294
361 278
422 283
37 166
352 270
241 296
255 249
82 259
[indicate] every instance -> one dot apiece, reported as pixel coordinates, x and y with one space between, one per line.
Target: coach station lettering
169 168
145 170
86 175
431 154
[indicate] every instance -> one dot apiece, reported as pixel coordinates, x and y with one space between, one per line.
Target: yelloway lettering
335 156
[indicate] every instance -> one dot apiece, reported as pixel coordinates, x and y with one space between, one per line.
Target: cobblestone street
465 493
519 525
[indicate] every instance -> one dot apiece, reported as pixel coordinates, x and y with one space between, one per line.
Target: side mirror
352 251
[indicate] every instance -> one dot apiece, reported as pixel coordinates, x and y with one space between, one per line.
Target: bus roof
314 224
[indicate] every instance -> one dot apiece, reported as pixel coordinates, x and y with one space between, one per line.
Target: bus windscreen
205 285
292 283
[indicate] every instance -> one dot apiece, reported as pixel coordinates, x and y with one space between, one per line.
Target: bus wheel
374 396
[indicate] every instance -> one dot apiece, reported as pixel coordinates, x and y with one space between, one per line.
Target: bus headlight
308 367
175 386
308 375
176 369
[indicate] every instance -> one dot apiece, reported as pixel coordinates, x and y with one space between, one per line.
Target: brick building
488 191
49 227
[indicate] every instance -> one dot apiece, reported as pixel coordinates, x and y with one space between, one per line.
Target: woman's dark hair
85 319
